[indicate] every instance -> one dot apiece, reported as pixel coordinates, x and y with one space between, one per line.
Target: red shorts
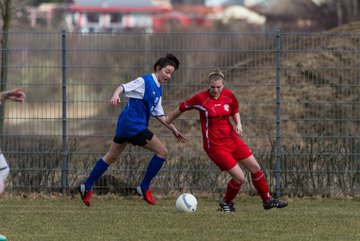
226 157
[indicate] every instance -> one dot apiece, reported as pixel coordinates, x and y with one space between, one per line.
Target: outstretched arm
173 115
115 99
179 136
14 95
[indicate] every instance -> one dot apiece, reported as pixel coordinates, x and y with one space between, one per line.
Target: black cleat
273 203
226 207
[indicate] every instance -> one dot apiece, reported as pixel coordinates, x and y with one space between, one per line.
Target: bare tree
5 8
344 11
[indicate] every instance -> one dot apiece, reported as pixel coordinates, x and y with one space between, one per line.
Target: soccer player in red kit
221 140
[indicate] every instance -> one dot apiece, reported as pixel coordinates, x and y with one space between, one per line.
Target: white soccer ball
186 202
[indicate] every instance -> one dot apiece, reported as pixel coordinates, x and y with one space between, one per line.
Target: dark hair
168 60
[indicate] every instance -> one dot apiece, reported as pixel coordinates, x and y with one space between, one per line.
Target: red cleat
85 194
146 195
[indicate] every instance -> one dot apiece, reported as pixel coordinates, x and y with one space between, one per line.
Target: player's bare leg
160 151
100 167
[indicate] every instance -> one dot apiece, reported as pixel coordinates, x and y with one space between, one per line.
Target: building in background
118 16
88 16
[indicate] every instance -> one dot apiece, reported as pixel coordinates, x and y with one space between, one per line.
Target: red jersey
216 128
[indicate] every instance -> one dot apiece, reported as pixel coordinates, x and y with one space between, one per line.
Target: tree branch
2 8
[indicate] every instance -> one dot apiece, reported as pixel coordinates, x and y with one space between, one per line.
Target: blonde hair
216 75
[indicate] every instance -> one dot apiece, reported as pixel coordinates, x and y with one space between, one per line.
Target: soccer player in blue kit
16 95
132 127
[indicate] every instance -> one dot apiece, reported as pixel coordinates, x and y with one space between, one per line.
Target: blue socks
99 169
154 167
101 166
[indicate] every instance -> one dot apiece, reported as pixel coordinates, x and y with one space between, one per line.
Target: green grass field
131 219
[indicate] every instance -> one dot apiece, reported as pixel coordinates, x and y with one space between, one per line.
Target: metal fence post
277 114
64 134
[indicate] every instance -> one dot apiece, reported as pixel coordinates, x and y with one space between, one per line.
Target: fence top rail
183 33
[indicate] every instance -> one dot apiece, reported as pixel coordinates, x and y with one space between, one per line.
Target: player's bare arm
16 95
115 99
179 136
238 127
173 115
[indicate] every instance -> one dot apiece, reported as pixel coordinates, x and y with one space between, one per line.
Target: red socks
232 190
259 182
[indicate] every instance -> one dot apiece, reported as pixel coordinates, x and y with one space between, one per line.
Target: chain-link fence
298 94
